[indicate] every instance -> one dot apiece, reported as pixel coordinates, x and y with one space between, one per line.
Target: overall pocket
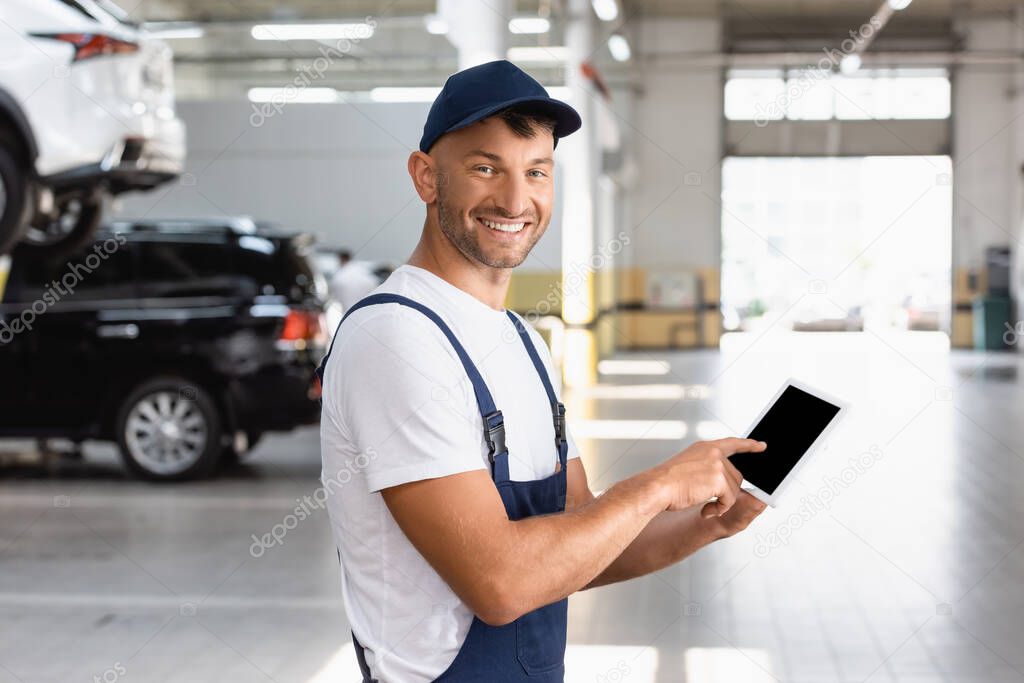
540 638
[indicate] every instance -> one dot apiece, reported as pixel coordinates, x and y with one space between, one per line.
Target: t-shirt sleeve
406 400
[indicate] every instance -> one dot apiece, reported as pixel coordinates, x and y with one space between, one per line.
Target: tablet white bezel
773 498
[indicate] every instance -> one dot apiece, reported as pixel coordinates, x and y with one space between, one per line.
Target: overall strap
557 408
494 423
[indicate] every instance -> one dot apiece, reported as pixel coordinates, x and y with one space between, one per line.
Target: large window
829 243
766 95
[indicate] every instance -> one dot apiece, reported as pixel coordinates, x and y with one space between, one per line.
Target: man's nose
513 197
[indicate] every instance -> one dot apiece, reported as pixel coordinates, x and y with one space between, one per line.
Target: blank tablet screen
789 428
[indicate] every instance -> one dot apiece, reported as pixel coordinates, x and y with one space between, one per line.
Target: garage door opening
836 243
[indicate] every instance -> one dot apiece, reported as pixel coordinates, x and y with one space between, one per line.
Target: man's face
494 191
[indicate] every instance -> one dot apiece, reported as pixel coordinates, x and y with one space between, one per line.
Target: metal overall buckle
494 434
558 414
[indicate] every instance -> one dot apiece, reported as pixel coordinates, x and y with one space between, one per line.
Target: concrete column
578 155
478 29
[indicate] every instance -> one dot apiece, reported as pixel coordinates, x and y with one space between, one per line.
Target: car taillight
92 44
302 328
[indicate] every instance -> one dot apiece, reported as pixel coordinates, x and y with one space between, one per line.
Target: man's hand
702 472
744 511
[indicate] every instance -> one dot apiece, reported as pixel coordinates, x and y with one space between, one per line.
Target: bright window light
555 53
293 94
384 94
899 4
606 10
628 429
619 47
529 25
852 95
312 31
633 367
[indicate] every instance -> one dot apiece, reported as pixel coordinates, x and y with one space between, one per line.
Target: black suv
182 340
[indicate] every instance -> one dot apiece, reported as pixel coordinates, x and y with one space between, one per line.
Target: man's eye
538 174
485 169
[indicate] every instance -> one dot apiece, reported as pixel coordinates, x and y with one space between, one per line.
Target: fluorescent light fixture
619 47
636 392
633 367
850 63
529 25
174 30
606 10
628 429
358 31
293 94
899 4
435 25
427 94
555 53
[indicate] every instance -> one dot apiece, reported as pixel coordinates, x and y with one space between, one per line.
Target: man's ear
425 176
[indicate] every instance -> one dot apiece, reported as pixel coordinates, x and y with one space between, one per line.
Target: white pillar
479 30
577 155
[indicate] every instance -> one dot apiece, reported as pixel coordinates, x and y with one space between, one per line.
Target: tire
66 235
169 429
15 196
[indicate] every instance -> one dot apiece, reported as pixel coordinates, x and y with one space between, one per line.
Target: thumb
712 509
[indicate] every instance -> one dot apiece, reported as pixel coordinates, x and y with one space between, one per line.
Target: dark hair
525 121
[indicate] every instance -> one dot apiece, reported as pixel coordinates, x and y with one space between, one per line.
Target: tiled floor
899 556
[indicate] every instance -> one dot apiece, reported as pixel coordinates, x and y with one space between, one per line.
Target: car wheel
15 194
169 429
67 232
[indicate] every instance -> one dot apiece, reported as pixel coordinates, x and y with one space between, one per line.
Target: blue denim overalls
531 648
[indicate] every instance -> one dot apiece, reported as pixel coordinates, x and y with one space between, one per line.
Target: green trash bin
991 316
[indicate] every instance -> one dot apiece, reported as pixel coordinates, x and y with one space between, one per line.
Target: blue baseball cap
480 91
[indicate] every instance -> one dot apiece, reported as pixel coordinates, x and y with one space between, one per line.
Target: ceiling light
619 47
293 94
899 4
174 30
312 31
529 25
428 94
850 63
606 10
538 54
633 367
435 25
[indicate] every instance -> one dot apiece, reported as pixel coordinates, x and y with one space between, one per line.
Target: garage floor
897 558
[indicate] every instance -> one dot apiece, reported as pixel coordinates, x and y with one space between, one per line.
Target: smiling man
459 505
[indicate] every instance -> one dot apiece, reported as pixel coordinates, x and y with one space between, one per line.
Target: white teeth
504 227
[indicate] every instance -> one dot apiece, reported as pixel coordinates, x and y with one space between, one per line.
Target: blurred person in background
352 281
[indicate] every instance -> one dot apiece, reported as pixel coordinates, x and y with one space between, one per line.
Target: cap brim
567 119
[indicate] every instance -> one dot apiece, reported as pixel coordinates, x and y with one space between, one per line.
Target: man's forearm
557 555
667 539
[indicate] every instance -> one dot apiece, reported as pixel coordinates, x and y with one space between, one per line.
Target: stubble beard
465 240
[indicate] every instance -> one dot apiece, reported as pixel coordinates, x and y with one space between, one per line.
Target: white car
86 111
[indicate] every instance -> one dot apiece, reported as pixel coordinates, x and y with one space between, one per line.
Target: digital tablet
795 420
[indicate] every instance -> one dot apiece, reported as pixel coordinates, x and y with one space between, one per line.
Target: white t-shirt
399 407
